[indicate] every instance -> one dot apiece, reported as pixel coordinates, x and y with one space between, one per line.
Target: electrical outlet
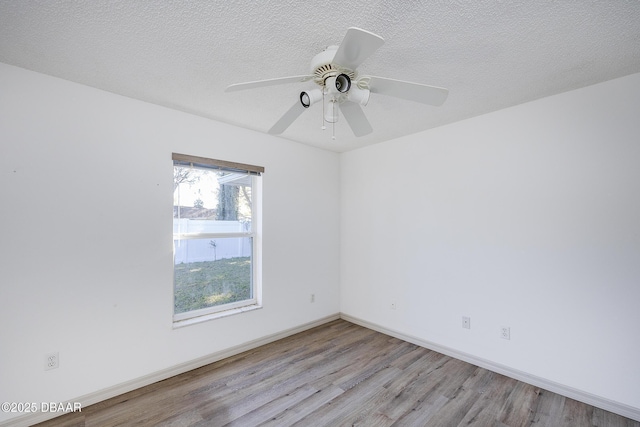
51 361
466 322
505 333
313 297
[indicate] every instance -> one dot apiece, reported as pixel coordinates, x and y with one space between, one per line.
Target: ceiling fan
341 89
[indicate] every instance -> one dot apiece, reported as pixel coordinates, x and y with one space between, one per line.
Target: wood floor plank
549 409
425 413
274 407
414 383
487 409
575 413
346 407
517 410
415 388
295 413
340 374
463 399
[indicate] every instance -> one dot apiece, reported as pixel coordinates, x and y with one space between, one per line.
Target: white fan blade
356 46
268 82
289 117
356 119
417 92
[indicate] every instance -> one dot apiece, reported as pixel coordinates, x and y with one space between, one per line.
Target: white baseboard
107 393
582 396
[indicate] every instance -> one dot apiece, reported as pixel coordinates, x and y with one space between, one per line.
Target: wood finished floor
340 374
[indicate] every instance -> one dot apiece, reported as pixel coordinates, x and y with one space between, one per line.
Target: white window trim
210 316
224 310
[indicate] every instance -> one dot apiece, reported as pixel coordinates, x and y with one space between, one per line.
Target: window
216 244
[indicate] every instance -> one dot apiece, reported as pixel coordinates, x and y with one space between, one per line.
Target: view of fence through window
213 244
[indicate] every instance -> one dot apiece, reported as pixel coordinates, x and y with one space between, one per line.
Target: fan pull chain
323 127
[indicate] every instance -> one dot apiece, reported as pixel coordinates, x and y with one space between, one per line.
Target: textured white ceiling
182 54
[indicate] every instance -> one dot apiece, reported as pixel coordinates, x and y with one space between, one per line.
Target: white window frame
255 235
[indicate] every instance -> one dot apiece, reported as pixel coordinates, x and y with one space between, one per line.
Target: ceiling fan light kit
359 96
330 110
338 84
310 97
335 71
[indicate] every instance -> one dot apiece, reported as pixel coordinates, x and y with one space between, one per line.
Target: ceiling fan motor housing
322 67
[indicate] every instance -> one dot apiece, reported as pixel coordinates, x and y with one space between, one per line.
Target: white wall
528 217
77 164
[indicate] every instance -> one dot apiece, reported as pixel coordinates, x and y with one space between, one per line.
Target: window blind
195 161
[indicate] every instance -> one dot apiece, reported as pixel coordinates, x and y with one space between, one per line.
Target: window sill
206 317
